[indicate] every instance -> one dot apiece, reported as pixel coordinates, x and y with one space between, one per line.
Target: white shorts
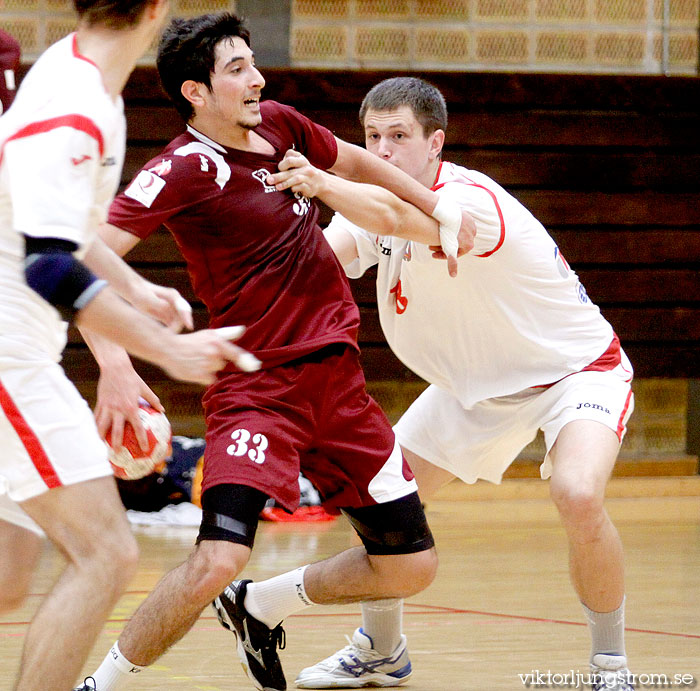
12 513
480 443
48 434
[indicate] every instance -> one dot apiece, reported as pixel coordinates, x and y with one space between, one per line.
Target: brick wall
551 35
637 36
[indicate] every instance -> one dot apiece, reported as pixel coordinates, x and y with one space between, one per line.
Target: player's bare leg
178 599
354 575
20 549
379 643
429 477
582 460
254 610
88 525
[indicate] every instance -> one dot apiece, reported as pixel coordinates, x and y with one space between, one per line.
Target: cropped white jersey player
61 150
78 135
510 346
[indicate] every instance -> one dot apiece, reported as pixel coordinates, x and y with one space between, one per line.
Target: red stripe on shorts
29 440
621 421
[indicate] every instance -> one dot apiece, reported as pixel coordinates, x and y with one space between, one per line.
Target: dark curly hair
187 50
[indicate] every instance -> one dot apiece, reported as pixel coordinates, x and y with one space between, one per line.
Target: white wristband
449 215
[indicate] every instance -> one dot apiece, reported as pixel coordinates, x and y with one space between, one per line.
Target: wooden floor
500 607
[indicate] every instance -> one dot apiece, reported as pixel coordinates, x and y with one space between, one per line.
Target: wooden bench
609 164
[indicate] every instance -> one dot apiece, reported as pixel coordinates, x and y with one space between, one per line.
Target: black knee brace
230 512
395 527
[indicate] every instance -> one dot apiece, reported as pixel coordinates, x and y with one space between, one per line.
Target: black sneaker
85 687
256 643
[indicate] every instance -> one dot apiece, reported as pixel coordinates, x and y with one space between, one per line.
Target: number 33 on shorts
247 444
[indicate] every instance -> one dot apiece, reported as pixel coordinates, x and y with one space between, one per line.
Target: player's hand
198 356
298 175
118 393
164 304
465 241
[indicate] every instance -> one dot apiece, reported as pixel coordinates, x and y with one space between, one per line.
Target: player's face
398 138
236 85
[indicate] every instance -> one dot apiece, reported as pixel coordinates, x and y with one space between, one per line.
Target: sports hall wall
586 110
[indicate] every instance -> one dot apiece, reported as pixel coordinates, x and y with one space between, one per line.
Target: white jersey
61 153
516 316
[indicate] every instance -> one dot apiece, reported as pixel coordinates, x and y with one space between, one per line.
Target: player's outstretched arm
379 210
373 208
194 357
164 304
357 164
457 227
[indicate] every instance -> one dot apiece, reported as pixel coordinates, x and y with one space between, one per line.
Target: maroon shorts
312 414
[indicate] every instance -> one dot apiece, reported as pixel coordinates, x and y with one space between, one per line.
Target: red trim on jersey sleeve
74 121
29 440
471 183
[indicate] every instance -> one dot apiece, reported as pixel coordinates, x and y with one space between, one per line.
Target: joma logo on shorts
595 406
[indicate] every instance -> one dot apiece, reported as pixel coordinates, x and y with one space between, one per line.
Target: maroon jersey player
254 254
256 257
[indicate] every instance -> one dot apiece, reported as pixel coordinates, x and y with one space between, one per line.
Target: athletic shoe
358 664
610 673
84 686
256 643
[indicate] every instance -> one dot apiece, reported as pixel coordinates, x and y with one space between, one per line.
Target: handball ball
131 462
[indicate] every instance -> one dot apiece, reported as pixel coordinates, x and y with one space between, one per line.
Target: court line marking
412 609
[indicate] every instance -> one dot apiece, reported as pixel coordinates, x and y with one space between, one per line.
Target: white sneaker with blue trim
357 665
610 673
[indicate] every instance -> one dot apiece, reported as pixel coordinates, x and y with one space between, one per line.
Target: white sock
382 621
274 599
607 630
114 671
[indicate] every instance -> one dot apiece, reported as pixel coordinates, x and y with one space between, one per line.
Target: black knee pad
395 527
230 513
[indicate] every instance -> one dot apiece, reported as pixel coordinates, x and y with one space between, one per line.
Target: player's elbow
388 220
53 273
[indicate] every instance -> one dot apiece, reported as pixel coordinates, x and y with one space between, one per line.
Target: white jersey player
61 150
530 325
61 159
511 345
530 320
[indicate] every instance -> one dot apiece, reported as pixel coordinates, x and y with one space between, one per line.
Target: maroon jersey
255 256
